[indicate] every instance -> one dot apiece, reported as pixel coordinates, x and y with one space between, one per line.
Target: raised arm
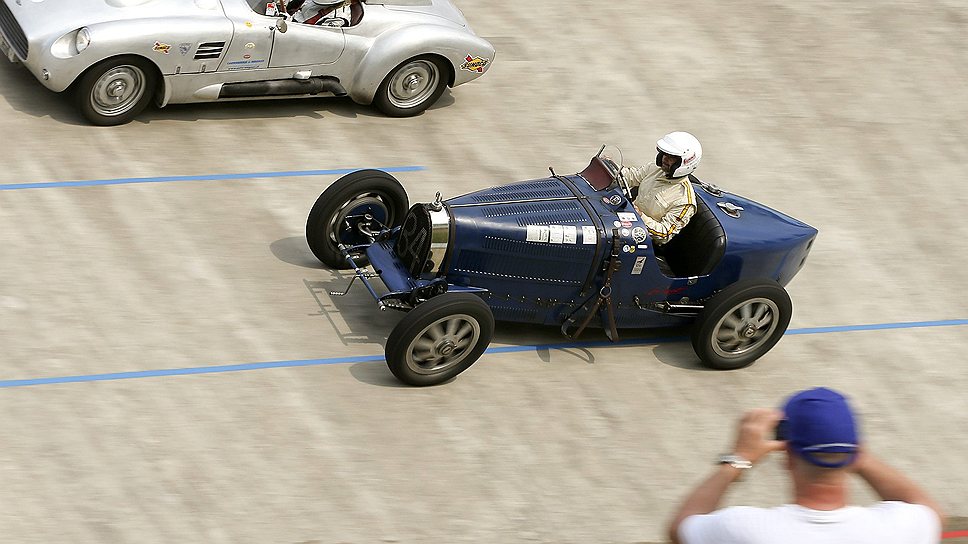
891 485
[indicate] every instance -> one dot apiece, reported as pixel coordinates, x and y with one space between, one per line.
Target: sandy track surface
849 118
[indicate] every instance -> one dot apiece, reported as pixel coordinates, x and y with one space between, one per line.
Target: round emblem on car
638 234
615 200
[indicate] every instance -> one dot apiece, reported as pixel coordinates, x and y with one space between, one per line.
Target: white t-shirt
886 522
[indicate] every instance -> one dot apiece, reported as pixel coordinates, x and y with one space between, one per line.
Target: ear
789 458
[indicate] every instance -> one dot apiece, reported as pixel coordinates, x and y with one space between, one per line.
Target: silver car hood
439 8
50 17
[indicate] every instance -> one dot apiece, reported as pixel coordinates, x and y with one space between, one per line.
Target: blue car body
539 251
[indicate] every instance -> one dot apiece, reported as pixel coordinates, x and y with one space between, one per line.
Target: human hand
754 438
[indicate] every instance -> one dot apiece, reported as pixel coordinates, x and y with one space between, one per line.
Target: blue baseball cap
820 421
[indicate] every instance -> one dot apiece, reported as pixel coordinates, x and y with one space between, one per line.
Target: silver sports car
118 55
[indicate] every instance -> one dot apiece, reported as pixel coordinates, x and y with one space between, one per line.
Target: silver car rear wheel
413 83
413 86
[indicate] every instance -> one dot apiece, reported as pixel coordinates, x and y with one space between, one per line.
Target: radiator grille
13 34
524 191
530 208
413 244
540 251
209 50
508 313
553 219
517 267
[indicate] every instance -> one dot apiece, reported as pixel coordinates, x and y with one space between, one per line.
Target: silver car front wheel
118 90
115 91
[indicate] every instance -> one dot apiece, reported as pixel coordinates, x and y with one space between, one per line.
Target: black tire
364 191
454 329
413 86
115 91
741 323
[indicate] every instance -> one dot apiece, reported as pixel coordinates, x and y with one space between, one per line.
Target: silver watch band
735 461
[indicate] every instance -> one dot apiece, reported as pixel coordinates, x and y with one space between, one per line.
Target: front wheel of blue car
351 212
741 323
439 339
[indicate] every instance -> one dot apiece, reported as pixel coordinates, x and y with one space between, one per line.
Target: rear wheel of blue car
351 212
439 339
115 91
741 323
412 87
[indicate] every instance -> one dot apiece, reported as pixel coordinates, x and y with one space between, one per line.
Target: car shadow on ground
355 319
25 94
294 250
20 89
318 107
669 346
278 108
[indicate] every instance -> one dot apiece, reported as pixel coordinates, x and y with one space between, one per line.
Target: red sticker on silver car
475 64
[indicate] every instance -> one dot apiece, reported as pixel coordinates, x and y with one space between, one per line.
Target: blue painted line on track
493 351
204 177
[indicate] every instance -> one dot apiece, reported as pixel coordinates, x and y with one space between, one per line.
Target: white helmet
682 145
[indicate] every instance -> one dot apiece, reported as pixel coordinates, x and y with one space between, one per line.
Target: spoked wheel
439 339
412 87
115 91
741 323
352 210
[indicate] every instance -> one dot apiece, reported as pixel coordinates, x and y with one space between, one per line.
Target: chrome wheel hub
443 344
413 83
118 90
445 349
747 326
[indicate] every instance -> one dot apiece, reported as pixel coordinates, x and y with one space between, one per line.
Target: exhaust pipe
282 87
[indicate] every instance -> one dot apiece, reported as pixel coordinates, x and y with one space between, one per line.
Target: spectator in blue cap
818 431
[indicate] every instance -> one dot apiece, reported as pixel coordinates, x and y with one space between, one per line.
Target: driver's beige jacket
664 204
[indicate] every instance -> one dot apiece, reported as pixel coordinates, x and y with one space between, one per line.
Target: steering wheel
618 178
335 22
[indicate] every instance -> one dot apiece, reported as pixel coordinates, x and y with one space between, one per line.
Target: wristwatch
735 461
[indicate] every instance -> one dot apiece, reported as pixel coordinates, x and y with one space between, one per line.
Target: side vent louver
209 50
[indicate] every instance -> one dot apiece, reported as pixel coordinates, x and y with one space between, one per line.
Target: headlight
71 44
82 40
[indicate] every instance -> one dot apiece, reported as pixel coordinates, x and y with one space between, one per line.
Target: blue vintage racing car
564 250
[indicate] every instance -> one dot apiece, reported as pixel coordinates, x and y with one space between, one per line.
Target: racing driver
665 199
